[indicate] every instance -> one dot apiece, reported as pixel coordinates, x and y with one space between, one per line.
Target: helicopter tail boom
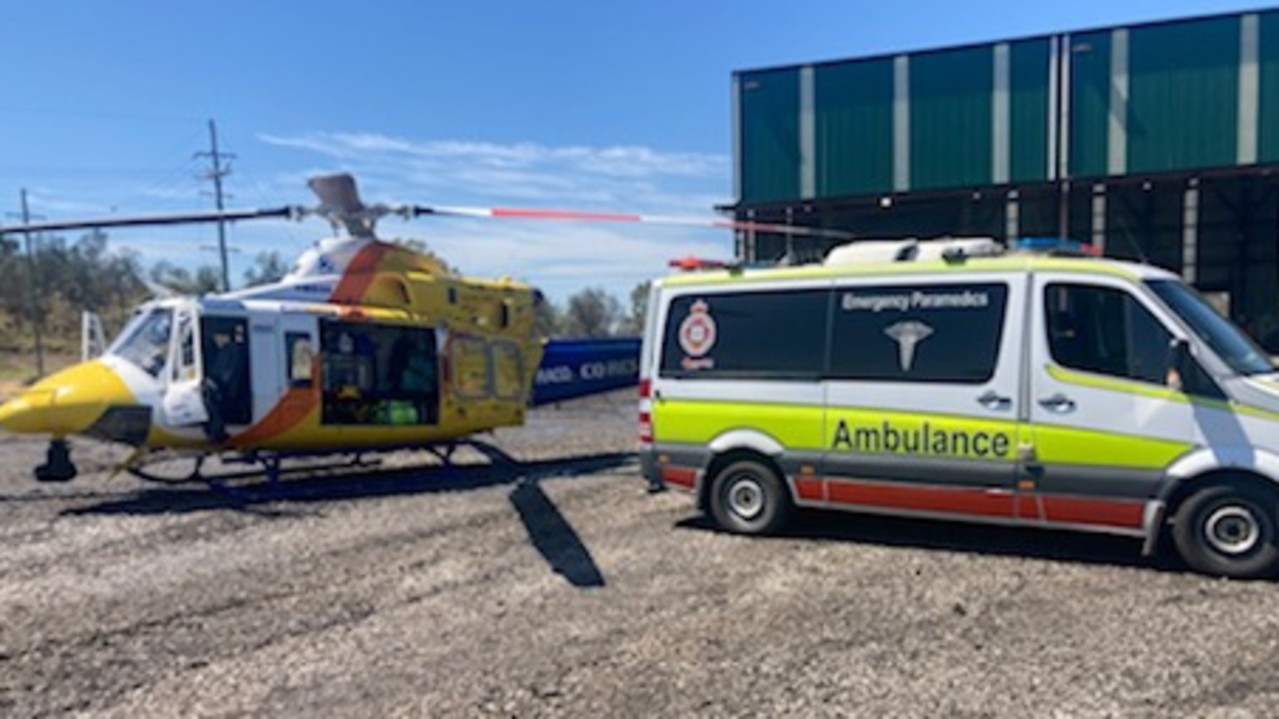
582 367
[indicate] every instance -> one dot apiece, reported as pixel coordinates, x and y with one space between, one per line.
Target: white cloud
558 257
620 177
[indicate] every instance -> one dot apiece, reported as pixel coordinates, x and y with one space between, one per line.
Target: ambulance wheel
747 497
1228 530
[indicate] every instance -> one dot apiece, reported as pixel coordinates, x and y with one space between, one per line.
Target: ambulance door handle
993 401
1058 403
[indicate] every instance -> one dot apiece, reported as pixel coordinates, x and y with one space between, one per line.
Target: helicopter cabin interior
370 373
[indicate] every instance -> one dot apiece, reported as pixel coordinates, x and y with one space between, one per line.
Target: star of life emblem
908 334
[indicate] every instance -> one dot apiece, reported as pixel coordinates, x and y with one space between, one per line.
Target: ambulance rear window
767 335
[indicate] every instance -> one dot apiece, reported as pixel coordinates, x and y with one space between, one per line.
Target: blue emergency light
1056 246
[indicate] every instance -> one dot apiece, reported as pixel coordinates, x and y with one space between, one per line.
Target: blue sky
596 105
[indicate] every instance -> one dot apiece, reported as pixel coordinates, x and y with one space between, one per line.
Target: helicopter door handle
1058 404
993 401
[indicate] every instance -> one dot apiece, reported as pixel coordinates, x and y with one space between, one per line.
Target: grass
18 369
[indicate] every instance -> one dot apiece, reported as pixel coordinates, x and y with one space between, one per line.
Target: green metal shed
1158 141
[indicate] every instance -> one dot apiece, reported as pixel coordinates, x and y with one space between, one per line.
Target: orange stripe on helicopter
293 407
359 273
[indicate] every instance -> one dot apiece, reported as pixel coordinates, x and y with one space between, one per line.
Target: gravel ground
410 591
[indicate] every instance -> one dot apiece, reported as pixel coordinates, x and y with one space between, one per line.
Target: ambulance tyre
747 497
1228 530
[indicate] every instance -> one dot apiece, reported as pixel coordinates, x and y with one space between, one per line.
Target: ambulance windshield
1228 341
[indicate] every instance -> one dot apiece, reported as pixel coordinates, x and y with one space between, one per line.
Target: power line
216 172
32 290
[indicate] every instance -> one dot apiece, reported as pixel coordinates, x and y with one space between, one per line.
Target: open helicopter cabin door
183 402
228 395
208 372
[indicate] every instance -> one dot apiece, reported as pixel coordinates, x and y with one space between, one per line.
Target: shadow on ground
1057 545
549 532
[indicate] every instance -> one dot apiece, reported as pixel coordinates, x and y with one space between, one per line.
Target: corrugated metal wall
1183 80
1028 110
769 135
1089 103
950 118
1268 67
1167 97
854 127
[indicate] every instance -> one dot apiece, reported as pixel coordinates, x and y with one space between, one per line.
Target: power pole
216 172
37 322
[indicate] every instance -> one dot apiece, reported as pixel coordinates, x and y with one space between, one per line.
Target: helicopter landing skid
269 468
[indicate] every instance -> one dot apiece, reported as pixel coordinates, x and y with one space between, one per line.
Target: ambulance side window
1105 330
918 333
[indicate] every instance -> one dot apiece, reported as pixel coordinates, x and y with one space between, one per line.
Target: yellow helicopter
364 345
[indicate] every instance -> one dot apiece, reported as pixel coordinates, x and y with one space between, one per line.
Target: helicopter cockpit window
145 342
185 368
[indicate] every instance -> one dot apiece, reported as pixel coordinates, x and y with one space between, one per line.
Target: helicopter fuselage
364 345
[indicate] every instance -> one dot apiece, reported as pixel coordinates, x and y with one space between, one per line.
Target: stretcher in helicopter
364 346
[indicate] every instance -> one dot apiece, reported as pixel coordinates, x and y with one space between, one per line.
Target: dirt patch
554 585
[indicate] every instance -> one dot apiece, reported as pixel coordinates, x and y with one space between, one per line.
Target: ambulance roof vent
951 249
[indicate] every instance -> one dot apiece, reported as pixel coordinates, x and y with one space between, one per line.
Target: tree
67 280
633 324
207 278
592 312
267 268
547 318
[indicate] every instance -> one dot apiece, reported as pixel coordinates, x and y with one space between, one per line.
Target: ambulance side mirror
1179 364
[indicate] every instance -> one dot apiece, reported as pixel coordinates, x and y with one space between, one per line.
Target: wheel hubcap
1232 530
746 498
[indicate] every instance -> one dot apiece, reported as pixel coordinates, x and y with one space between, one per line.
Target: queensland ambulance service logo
697 336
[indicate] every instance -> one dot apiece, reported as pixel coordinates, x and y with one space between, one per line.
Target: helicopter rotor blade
337 193
341 205
292 213
588 216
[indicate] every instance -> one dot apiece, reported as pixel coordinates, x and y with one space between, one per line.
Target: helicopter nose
66 402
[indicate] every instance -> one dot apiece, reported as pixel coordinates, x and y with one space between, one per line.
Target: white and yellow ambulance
953 379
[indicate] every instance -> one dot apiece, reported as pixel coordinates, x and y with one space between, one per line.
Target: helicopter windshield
145 340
